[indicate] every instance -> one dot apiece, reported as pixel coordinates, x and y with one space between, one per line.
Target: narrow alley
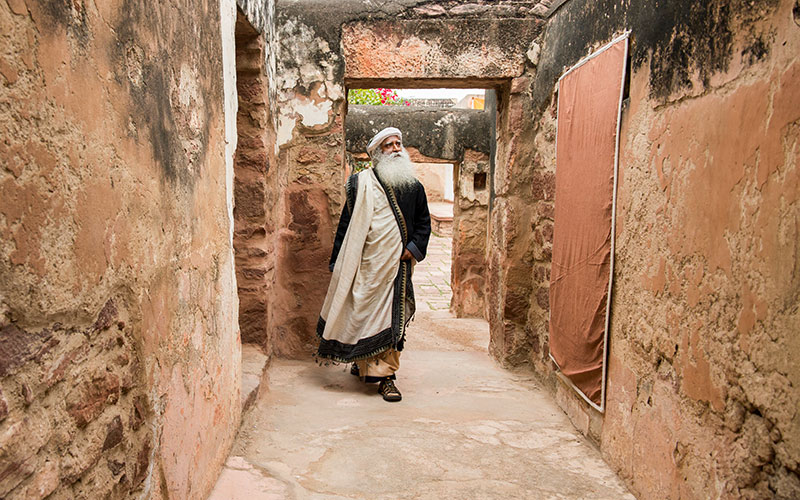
610 306
464 429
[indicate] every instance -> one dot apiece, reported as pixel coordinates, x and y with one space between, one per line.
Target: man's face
391 144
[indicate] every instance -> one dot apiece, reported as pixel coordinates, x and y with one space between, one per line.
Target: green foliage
359 165
376 97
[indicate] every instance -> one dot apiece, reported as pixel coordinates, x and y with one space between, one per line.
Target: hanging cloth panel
589 100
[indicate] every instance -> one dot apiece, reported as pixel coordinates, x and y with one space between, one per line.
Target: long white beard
395 169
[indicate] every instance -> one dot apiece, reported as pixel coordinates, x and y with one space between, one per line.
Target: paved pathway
466 428
432 277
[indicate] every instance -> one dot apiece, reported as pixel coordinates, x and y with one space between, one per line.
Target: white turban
380 136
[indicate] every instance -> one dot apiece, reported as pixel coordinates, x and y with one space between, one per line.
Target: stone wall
443 134
255 188
470 225
702 391
520 228
309 101
119 352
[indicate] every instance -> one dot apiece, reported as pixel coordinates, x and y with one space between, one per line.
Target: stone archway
345 49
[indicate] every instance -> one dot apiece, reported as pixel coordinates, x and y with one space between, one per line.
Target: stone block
114 434
138 412
57 371
516 306
430 10
107 316
19 445
44 482
541 274
310 155
520 85
539 10
469 9
87 402
18 7
27 394
3 406
543 297
81 456
543 186
250 197
546 230
17 347
254 159
533 53
142 463
251 89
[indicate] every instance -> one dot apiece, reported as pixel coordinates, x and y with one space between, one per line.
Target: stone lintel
437 48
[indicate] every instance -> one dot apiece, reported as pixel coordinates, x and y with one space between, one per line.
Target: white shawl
359 300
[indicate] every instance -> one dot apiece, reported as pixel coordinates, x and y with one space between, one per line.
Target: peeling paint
314 113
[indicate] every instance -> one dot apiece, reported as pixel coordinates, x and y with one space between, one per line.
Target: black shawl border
350 189
403 290
347 353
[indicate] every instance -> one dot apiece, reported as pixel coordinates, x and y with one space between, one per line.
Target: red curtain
588 113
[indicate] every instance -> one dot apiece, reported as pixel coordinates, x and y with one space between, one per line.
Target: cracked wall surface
118 338
702 394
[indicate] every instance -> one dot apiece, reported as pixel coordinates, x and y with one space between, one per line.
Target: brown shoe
389 391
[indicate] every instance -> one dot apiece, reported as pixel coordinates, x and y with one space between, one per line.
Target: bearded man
383 230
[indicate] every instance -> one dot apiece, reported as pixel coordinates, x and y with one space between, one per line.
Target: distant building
471 101
433 103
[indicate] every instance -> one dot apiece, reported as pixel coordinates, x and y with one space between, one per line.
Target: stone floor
466 428
432 277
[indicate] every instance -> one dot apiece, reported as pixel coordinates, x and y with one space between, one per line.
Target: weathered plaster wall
437 179
703 387
119 349
310 98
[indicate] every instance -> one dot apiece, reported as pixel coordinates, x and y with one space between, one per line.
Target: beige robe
359 300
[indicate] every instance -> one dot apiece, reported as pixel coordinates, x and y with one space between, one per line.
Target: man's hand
406 255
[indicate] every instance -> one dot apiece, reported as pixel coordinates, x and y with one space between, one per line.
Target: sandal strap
388 387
